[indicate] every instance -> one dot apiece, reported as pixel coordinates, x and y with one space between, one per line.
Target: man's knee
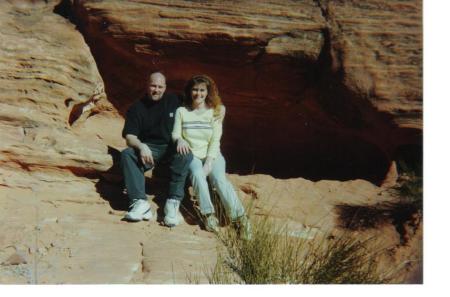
183 158
127 154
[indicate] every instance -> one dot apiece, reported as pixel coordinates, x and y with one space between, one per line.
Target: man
148 127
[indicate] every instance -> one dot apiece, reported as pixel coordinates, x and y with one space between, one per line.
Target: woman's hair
212 100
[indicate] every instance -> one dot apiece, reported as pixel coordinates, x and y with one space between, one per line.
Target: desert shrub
409 187
272 256
410 190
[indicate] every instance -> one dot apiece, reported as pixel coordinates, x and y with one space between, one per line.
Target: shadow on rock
110 186
361 217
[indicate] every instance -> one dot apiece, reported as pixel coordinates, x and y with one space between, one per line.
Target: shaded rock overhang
318 89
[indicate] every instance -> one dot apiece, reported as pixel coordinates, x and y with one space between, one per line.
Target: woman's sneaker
171 216
139 210
212 223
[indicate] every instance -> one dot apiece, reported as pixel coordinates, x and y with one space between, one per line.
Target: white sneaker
171 216
140 210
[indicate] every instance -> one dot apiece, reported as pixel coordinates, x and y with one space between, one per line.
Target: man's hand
146 154
183 147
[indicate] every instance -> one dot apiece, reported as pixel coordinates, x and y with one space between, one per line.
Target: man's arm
144 151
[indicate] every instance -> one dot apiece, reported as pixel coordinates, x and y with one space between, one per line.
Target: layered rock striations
376 46
320 89
48 77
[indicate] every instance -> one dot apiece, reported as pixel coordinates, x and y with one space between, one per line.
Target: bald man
148 127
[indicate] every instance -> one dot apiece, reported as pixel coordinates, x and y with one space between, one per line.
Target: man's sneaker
140 210
212 223
171 216
244 228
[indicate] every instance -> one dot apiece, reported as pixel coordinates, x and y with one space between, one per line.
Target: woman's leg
200 186
225 189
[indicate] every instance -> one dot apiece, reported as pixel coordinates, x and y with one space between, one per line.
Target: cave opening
286 116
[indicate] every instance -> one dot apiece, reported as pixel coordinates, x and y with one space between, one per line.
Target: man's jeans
219 181
133 170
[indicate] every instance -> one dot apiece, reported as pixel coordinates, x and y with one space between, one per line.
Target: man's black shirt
152 121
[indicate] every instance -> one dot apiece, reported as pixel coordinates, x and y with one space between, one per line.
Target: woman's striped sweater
200 130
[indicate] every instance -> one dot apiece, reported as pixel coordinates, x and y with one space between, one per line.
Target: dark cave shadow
110 185
362 217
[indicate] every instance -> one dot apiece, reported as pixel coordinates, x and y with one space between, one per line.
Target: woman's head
196 85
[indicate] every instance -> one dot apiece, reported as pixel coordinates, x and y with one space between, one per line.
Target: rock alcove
298 102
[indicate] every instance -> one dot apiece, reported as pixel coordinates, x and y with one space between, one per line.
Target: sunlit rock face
49 84
320 89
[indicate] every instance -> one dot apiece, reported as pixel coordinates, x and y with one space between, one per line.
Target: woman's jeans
224 188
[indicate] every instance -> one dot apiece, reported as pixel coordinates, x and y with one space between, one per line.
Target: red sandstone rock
377 45
46 70
331 88
391 176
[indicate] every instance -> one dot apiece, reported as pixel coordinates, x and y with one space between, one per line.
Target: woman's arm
182 146
220 113
214 144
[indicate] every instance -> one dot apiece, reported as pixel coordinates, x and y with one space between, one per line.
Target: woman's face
199 92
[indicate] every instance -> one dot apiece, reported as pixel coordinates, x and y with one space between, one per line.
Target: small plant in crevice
404 211
409 190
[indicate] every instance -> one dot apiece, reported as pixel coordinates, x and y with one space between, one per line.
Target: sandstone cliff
332 88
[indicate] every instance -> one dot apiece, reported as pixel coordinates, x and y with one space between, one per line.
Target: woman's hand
207 167
183 147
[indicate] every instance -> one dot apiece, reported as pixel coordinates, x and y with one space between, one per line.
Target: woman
198 128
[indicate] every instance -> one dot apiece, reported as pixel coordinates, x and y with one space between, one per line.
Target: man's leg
179 169
133 171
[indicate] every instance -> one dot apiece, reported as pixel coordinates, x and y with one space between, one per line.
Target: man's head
156 86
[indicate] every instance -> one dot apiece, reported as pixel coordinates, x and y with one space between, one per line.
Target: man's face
156 87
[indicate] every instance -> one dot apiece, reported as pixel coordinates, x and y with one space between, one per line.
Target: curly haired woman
198 129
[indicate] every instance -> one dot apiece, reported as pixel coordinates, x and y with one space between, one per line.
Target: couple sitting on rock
159 127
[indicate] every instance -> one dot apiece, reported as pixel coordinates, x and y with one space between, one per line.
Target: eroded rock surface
47 70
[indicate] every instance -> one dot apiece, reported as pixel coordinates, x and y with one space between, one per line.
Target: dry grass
274 257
